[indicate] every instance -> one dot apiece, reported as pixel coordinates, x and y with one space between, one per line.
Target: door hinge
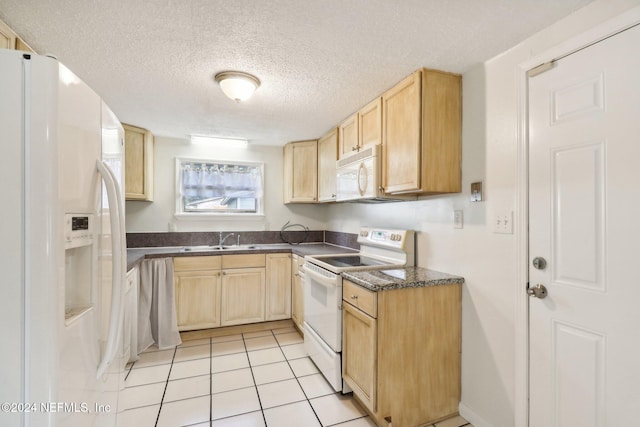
540 69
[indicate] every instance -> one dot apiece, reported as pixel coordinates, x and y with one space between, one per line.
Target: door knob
538 291
539 263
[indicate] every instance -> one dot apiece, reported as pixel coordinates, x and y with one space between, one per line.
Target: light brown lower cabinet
243 295
297 295
224 290
278 292
401 352
197 292
360 344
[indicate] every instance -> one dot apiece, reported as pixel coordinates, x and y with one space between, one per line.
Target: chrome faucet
222 239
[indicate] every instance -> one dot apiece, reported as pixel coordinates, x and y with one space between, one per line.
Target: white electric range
380 248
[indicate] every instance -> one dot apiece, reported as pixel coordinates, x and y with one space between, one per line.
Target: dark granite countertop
408 277
136 255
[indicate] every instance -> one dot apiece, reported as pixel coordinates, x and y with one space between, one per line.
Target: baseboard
469 415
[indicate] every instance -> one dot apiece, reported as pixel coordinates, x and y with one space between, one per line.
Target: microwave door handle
362 176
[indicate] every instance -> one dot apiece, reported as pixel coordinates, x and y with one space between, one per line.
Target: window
218 187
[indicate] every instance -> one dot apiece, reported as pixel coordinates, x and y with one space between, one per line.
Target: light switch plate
476 191
503 222
457 219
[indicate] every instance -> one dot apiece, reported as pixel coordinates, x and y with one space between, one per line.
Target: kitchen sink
211 248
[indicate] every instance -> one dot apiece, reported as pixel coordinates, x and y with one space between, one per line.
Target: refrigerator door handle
118 267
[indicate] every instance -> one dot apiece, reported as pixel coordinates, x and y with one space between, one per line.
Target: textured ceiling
318 60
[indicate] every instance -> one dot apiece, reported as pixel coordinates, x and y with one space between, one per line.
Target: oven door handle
323 280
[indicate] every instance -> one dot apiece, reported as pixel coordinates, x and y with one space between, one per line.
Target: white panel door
584 215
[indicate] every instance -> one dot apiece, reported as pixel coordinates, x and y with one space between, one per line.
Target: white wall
156 216
486 260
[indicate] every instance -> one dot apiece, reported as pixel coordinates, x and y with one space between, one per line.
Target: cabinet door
348 136
197 299
401 143
7 37
138 157
301 172
359 354
243 296
21 45
370 123
278 294
327 156
297 301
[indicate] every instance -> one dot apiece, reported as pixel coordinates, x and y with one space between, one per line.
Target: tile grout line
129 371
210 382
166 385
298 381
264 418
309 400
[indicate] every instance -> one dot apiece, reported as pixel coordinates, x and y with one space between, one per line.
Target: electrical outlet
457 219
503 222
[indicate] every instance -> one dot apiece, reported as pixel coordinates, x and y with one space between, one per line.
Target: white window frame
180 213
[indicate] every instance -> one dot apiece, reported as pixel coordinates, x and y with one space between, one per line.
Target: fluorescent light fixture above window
219 141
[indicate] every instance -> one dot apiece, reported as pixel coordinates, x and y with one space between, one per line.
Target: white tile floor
254 379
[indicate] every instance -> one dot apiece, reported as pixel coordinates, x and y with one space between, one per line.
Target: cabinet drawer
191 263
243 261
360 297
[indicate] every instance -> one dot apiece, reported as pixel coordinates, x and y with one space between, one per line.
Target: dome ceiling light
237 85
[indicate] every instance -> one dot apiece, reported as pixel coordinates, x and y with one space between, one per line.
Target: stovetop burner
352 261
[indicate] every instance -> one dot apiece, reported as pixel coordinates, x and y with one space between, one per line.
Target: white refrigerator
63 259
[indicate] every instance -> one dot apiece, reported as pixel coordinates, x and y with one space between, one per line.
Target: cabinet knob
333 196
354 148
354 296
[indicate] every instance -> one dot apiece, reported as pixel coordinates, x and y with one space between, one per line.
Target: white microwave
359 178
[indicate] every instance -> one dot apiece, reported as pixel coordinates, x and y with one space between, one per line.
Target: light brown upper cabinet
21 45
370 124
327 156
7 37
361 129
138 155
10 40
348 131
301 172
421 124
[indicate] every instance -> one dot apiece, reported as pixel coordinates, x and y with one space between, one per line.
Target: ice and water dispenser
79 264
